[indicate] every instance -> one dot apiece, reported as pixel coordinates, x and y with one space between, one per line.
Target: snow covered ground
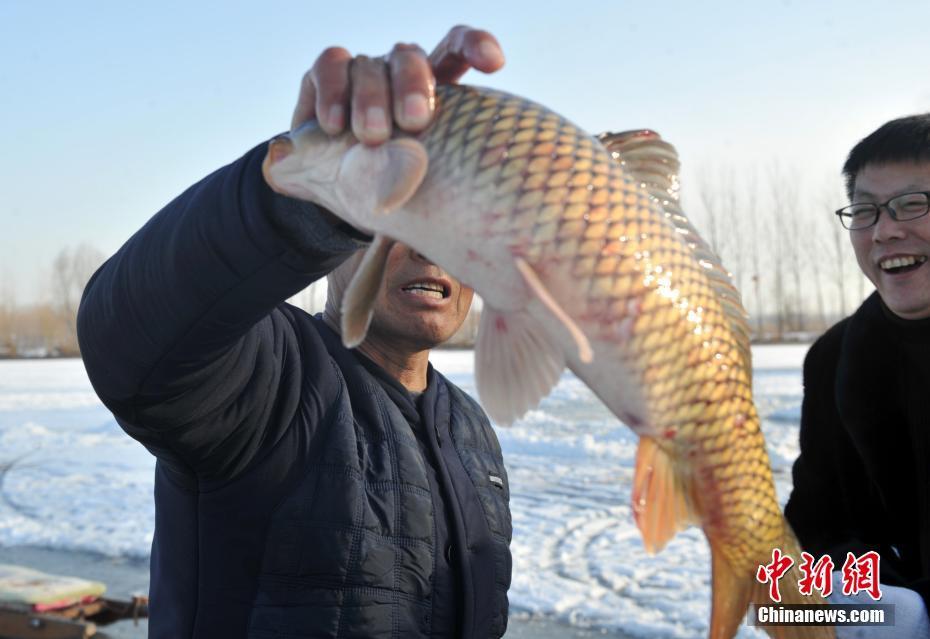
71 480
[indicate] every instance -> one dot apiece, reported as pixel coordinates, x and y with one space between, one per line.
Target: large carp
583 260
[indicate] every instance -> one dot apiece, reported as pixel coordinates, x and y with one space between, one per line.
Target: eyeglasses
905 207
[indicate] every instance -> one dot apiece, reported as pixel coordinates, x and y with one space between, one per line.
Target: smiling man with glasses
862 481
892 249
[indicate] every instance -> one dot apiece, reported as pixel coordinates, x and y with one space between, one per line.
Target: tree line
47 328
787 253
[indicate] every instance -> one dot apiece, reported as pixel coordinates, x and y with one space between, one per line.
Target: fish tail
734 591
791 595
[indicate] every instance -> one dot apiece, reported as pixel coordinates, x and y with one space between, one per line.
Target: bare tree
811 237
7 318
71 270
738 239
782 203
709 193
737 230
733 218
852 285
752 217
837 245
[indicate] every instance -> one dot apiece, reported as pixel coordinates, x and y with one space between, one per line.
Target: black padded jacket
862 481
295 487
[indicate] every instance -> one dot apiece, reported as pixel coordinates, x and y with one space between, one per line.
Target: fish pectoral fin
359 299
585 354
516 363
384 177
662 500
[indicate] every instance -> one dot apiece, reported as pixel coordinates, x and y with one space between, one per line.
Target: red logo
861 573
772 572
815 576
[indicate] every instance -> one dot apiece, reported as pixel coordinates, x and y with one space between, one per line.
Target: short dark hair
903 140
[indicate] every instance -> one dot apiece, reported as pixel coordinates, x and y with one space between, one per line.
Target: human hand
373 95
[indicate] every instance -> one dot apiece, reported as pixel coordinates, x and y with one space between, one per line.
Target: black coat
299 491
862 481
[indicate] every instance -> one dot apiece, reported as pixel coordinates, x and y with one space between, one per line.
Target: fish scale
626 240
738 453
597 222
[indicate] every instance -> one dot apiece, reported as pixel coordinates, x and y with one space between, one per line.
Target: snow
71 479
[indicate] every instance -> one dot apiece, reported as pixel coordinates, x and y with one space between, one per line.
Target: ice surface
70 479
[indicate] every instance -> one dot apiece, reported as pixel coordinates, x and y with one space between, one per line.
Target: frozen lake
72 480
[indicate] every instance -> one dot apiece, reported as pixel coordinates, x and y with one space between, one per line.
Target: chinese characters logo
859 574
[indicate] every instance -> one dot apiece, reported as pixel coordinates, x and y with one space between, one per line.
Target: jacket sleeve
183 331
832 500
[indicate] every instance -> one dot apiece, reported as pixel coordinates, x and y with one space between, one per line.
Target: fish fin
359 299
516 363
385 176
585 354
662 503
653 162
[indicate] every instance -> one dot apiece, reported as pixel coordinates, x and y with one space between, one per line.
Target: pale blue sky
110 109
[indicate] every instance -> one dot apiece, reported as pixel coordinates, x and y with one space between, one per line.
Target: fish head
357 183
304 163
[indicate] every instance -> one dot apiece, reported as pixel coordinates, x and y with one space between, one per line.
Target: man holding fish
584 260
303 488
306 489
861 483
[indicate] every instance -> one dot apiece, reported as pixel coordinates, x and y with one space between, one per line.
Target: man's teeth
429 290
898 262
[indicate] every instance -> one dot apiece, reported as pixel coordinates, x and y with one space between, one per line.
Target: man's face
905 290
419 305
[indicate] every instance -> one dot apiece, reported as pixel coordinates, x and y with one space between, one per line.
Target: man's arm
181 331
832 502
177 330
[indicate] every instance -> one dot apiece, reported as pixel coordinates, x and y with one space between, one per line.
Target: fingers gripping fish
583 260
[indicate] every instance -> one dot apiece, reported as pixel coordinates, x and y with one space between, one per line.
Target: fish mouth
894 264
429 288
278 149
